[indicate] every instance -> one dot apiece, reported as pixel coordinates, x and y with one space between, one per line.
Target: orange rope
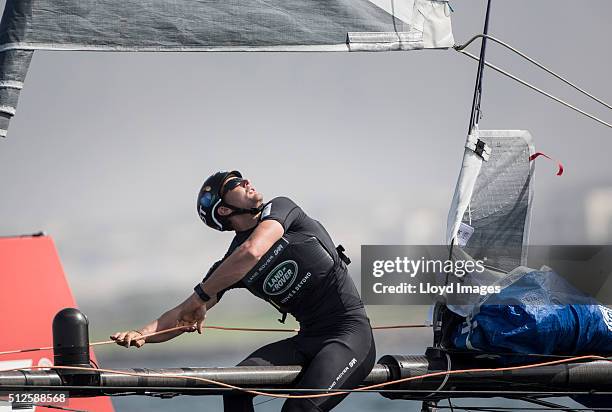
400 326
107 342
274 395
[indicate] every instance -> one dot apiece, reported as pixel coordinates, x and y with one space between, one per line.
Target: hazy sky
108 150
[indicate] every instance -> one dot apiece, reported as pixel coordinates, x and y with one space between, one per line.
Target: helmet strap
241 211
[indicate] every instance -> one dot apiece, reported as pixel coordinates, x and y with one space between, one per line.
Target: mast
475 114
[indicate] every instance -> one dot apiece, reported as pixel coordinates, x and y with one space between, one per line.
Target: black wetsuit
302 274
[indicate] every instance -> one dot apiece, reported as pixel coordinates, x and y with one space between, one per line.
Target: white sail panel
492 199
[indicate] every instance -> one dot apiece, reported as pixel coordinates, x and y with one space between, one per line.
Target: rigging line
321 395
475 113
507 354
487 408
540 65
524 83
155 390
523 408
542 402
266 401
386 327
62 408
108 342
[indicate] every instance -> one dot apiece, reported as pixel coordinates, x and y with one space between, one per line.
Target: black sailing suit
302 274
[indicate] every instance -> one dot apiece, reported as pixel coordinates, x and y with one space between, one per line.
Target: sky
108 150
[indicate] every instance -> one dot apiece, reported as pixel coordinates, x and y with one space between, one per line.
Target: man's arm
172 318
181 315
192 311
237 265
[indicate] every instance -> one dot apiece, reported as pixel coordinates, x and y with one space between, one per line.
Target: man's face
240 193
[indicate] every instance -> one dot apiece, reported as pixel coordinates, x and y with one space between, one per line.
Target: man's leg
279 353
340 364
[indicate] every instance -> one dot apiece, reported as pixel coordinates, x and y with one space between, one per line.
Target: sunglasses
231 185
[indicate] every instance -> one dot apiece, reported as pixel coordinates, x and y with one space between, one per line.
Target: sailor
285 257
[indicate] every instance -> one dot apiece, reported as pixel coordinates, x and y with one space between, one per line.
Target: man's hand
192 315
130 337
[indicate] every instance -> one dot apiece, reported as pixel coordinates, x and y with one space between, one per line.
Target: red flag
33 289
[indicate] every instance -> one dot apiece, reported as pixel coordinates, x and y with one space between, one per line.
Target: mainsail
211 25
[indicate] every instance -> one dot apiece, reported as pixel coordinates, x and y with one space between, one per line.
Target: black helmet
210 198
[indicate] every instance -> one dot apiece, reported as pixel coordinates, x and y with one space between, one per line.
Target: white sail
210 25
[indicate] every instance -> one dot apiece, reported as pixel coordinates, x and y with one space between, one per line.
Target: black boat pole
576 376
475 114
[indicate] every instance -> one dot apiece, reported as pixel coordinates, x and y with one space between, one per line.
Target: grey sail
490 213
210 25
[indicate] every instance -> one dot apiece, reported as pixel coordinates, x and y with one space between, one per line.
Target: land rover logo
280 278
